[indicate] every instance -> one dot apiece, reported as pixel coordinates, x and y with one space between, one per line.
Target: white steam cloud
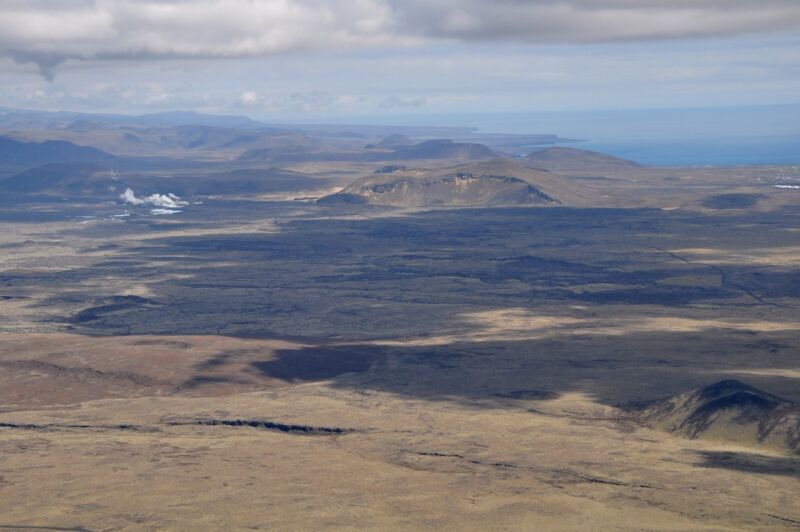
49 32
163 201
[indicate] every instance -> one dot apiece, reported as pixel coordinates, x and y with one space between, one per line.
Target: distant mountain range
184 134
23 118
181 140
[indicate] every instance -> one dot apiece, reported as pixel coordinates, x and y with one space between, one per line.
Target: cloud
247 98
302 102
50 32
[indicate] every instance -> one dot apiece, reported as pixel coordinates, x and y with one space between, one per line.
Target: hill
442 149
393 141
488 183
730 411
559 159
14 153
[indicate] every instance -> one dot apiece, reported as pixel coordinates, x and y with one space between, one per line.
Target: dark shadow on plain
732 201
318 363
752 463
516 371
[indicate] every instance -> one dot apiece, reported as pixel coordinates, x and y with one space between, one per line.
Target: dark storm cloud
585 21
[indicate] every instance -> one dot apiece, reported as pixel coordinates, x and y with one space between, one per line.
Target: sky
316 59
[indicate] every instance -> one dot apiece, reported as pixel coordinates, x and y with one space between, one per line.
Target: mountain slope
559 159
27 154
730 411
283 153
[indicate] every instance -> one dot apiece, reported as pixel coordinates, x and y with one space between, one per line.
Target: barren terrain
264 361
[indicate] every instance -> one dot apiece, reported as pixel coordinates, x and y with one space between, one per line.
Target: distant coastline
720 136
